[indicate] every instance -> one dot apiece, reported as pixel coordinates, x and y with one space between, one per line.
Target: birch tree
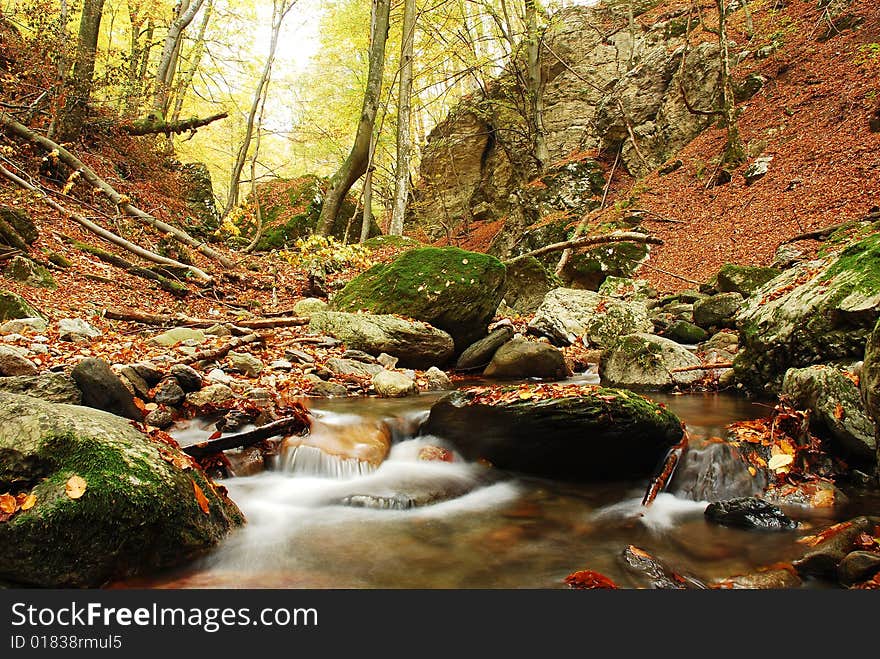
404 113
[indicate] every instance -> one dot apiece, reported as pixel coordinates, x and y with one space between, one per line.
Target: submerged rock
749 513
520 358
139 511
586 434
763 580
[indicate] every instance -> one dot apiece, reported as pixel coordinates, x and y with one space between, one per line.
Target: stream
310 524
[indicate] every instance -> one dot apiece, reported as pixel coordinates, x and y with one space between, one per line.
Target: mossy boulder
586 434
646 361
528 281
17 225
198 191
817 312
139 512
588 269
681 331
870 383
743 279
717 311
452 289
14 306
395 242
29 273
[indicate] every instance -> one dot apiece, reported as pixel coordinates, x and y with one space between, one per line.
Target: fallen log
188 321
285 426
624 237
153 126
213 354
702 367
818 234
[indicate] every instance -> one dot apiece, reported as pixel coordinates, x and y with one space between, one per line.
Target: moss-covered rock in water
743 279
140 511
817 312
14 306
589 434
291 208
453 290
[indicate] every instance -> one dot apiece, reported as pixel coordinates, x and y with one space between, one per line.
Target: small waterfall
715 471
311 461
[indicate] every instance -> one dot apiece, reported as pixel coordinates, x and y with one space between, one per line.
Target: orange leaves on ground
11 504
528 392
830 532
589 580
75 487
8 504
201 498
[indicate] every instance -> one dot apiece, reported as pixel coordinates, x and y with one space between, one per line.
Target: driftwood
624 237
121 201
153 126
109 236
213 354
286 426
660 480
702 367
188 321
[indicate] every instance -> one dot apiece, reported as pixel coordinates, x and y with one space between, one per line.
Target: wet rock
138 513
339 366
213 394
76 330
647 361
715 471
858 566
593 434
520 358
234 421
246 363
416 344
836 411
479 354
649 572
23 326
390 384
764 580
102 389
13 363
259 397
169 392
178 335
149 372
51 387
307 306
187 377
438 380
825 555
360 356
319 387
14 306
29 273
809 494
717 311
161 417
743 279
566 314
248 461
749 513
681 331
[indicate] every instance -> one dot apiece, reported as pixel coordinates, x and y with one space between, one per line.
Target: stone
416 344
187 377
778 579
787 256
299 357
646 361
161 417
139 386
681 331
14 306
22 269
169 392
757 170
149 372
214 394
815 313
138 513
12 363
520 358
49 386
593 434
624 288
449 288
749 513
437 380
359 356
281 365
858 566
339 366
178 335
391 384
198 192
307 306
319 387
21 223
589 268
836 411
823 558
527 282
248 461
479 354
23 326
218 330
717 310
567 314
869 381
744 280
725 340
388 361
246 363
102 389
217 375
76 330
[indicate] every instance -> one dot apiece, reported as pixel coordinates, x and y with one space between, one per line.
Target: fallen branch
286 426
109 236
651 214
818 234
628 236
213 354
153 126
121 201
660 480
188 321
702 367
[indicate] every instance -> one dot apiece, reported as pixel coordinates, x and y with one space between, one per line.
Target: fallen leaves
11 504
830 532
8 504
589 580
201 498
489 395
75 487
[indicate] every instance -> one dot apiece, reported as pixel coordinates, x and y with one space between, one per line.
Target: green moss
380 242
14 306
862 258
60 260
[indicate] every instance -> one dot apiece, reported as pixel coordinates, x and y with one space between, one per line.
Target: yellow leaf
76 487
525 395
29 502
8 504
753 471
201 498
780 461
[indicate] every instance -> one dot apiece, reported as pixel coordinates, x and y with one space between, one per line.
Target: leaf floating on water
29 502
8 504
75 487
589 580
201 498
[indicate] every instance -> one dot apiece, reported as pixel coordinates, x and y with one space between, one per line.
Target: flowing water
321 520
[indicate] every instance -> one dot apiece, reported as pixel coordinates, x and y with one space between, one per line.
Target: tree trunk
404 112
368 206
734 152
79 87
356 163
195 58
622 237
534 81
184 15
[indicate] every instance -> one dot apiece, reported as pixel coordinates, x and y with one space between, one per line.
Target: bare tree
184 13
404 113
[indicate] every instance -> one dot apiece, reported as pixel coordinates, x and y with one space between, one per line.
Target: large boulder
14 306
717 311
14 363
479 354
145 505
566 314
415 344
818 312
836 410
52 387
519 358
453 290
590 268
743 279
870 383
29 273
646 361
526 285
392 384
572 432
102 389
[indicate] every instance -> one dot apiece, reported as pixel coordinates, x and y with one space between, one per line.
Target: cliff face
603 88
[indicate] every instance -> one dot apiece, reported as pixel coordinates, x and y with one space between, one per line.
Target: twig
286 426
